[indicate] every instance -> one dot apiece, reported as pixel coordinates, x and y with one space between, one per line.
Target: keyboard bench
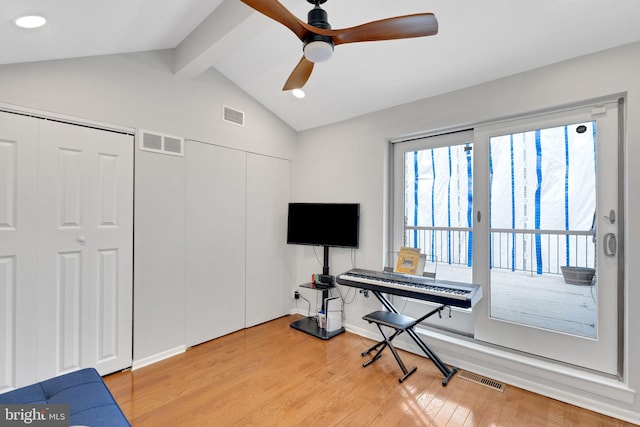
398 322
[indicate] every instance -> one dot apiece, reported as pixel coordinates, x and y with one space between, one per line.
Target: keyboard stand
405 325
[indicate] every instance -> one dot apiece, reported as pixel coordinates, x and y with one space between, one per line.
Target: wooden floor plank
273 375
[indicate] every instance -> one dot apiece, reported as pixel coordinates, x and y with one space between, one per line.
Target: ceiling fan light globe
318 51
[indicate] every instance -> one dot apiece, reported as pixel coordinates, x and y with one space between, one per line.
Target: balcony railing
537 251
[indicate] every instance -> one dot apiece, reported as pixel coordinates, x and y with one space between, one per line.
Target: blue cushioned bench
90 401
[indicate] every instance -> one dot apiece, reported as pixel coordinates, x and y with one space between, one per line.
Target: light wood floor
273 375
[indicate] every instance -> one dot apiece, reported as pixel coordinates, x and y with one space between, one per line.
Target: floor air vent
158 143
235 117
479 379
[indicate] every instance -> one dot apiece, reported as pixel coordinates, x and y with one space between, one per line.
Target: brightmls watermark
34 415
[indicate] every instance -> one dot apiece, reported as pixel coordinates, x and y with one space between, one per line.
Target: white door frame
601 354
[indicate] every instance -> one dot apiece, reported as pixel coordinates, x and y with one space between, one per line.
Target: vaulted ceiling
476 42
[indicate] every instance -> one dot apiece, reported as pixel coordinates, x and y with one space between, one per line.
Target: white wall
354 155
140 91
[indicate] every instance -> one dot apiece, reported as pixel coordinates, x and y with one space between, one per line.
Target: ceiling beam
230 25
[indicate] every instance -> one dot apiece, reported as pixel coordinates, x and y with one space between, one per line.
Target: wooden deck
542 301
545 302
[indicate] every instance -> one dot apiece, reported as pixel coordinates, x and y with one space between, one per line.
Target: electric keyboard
440 291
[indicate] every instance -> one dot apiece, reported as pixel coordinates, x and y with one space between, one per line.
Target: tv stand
309 324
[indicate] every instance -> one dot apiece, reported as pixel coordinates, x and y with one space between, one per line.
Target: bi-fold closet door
237 268
66 227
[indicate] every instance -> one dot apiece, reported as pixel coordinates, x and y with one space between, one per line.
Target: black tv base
310 326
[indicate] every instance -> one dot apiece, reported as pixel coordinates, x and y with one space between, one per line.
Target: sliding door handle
610 244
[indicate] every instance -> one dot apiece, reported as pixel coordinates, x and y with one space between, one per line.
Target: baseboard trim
149 360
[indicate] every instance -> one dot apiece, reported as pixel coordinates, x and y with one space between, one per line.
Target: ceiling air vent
230 115
159 143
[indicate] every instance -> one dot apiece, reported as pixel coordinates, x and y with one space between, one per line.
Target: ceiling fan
319 39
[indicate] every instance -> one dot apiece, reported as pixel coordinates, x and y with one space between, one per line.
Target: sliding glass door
529 210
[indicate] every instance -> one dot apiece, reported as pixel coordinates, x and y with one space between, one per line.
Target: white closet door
268 262
215 241
85 225
18 322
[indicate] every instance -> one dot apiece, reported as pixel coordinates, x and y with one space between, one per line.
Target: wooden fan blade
400 27
299 75
276 11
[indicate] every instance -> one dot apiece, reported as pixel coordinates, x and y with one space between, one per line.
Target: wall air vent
159 143
230 115
173 145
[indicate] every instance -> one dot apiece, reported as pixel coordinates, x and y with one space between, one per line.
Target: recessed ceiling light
31 21
298 93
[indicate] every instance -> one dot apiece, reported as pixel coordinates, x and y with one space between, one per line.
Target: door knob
81 239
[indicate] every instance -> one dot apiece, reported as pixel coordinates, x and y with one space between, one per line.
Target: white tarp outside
542 191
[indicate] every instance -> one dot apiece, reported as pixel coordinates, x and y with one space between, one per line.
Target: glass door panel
438 209
549 184
542 204
432 206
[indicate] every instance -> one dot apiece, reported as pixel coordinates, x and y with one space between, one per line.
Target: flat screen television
324 224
